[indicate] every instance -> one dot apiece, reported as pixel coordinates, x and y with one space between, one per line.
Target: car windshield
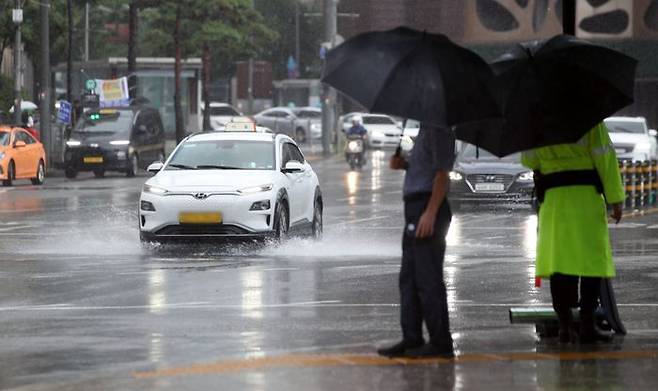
4 138
378 121
471 152
308 114
223 111
106 121
624 127
223 154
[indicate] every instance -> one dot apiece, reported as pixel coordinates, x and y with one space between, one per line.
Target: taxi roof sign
240 124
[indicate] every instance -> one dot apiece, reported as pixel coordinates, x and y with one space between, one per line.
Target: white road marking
655 226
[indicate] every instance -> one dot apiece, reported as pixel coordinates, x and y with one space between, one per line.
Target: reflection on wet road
84 306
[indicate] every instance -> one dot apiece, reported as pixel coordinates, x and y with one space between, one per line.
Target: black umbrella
553 92
413 74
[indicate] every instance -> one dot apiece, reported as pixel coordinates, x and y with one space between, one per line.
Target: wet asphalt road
83 306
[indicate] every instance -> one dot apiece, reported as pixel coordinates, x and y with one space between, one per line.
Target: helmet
358 119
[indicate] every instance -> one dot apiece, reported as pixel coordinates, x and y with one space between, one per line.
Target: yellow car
21 156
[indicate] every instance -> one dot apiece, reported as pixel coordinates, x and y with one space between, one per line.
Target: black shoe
593 335
429 350
398 349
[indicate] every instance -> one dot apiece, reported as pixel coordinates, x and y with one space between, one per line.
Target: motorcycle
355 151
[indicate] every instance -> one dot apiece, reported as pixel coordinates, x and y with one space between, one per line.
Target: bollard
646 184
653 172
622 173
637 185
629 172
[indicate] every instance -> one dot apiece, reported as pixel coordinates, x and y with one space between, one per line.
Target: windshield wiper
211 166
181 166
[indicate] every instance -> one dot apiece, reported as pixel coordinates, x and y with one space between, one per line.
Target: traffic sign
90 100
90 84
64 113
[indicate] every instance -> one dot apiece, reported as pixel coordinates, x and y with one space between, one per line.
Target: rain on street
83 305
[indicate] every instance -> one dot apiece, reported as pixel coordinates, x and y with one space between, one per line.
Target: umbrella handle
398 150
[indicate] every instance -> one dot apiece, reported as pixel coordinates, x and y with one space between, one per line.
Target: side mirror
19 144
293 166
653 132
155 167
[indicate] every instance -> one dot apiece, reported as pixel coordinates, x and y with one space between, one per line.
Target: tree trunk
178 110
204 86
132 47
69 52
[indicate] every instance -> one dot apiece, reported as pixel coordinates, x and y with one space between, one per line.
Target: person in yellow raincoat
573 242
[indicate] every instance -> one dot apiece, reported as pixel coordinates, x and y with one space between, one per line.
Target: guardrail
640 179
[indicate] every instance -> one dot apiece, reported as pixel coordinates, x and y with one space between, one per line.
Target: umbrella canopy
26 105
413 74
553 92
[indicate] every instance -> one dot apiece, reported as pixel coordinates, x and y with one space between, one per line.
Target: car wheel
317 219
99 173
134 166
41 174
281 222
11 174
70 173
300 135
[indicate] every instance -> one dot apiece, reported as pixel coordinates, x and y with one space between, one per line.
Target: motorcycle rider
356 131
357 128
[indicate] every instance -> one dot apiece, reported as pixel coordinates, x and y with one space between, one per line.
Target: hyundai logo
490 178
201 196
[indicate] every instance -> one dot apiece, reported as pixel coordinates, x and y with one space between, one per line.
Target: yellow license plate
200 218
92 159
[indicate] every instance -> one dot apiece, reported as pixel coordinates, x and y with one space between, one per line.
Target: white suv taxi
242 183
631 138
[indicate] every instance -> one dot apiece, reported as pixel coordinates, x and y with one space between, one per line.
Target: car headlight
154 190
455 176
315 126
120 142
73 143
260 205
527 176
256 189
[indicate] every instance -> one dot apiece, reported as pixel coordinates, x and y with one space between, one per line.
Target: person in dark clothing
357 128
423 295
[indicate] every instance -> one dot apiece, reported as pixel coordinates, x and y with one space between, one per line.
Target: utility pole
250 76
329 94
44 108
17 17
69 51
133 25
297 37
86 32
569 17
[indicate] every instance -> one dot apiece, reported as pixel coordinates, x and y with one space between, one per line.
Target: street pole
297 36
18 19
44 108
69 51
86 32
329 95
250 76
569 17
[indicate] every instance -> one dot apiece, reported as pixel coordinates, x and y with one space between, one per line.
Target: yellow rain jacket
573 221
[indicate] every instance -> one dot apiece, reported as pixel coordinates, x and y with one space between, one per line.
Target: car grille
201 229
392 135
490 178
624 148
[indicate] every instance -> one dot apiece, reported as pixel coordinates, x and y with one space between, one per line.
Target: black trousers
422 290
564 292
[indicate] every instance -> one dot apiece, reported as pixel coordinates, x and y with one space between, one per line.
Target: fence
640 179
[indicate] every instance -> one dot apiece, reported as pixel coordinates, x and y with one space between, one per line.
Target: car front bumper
238 221
112 159
382 140
516 192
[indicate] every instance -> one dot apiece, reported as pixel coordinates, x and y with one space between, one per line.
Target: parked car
481 177
121 139
241 183
21 156
220 114
299 123
631 138
382 129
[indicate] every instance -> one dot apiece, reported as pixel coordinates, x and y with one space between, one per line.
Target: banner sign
113 92
64 112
